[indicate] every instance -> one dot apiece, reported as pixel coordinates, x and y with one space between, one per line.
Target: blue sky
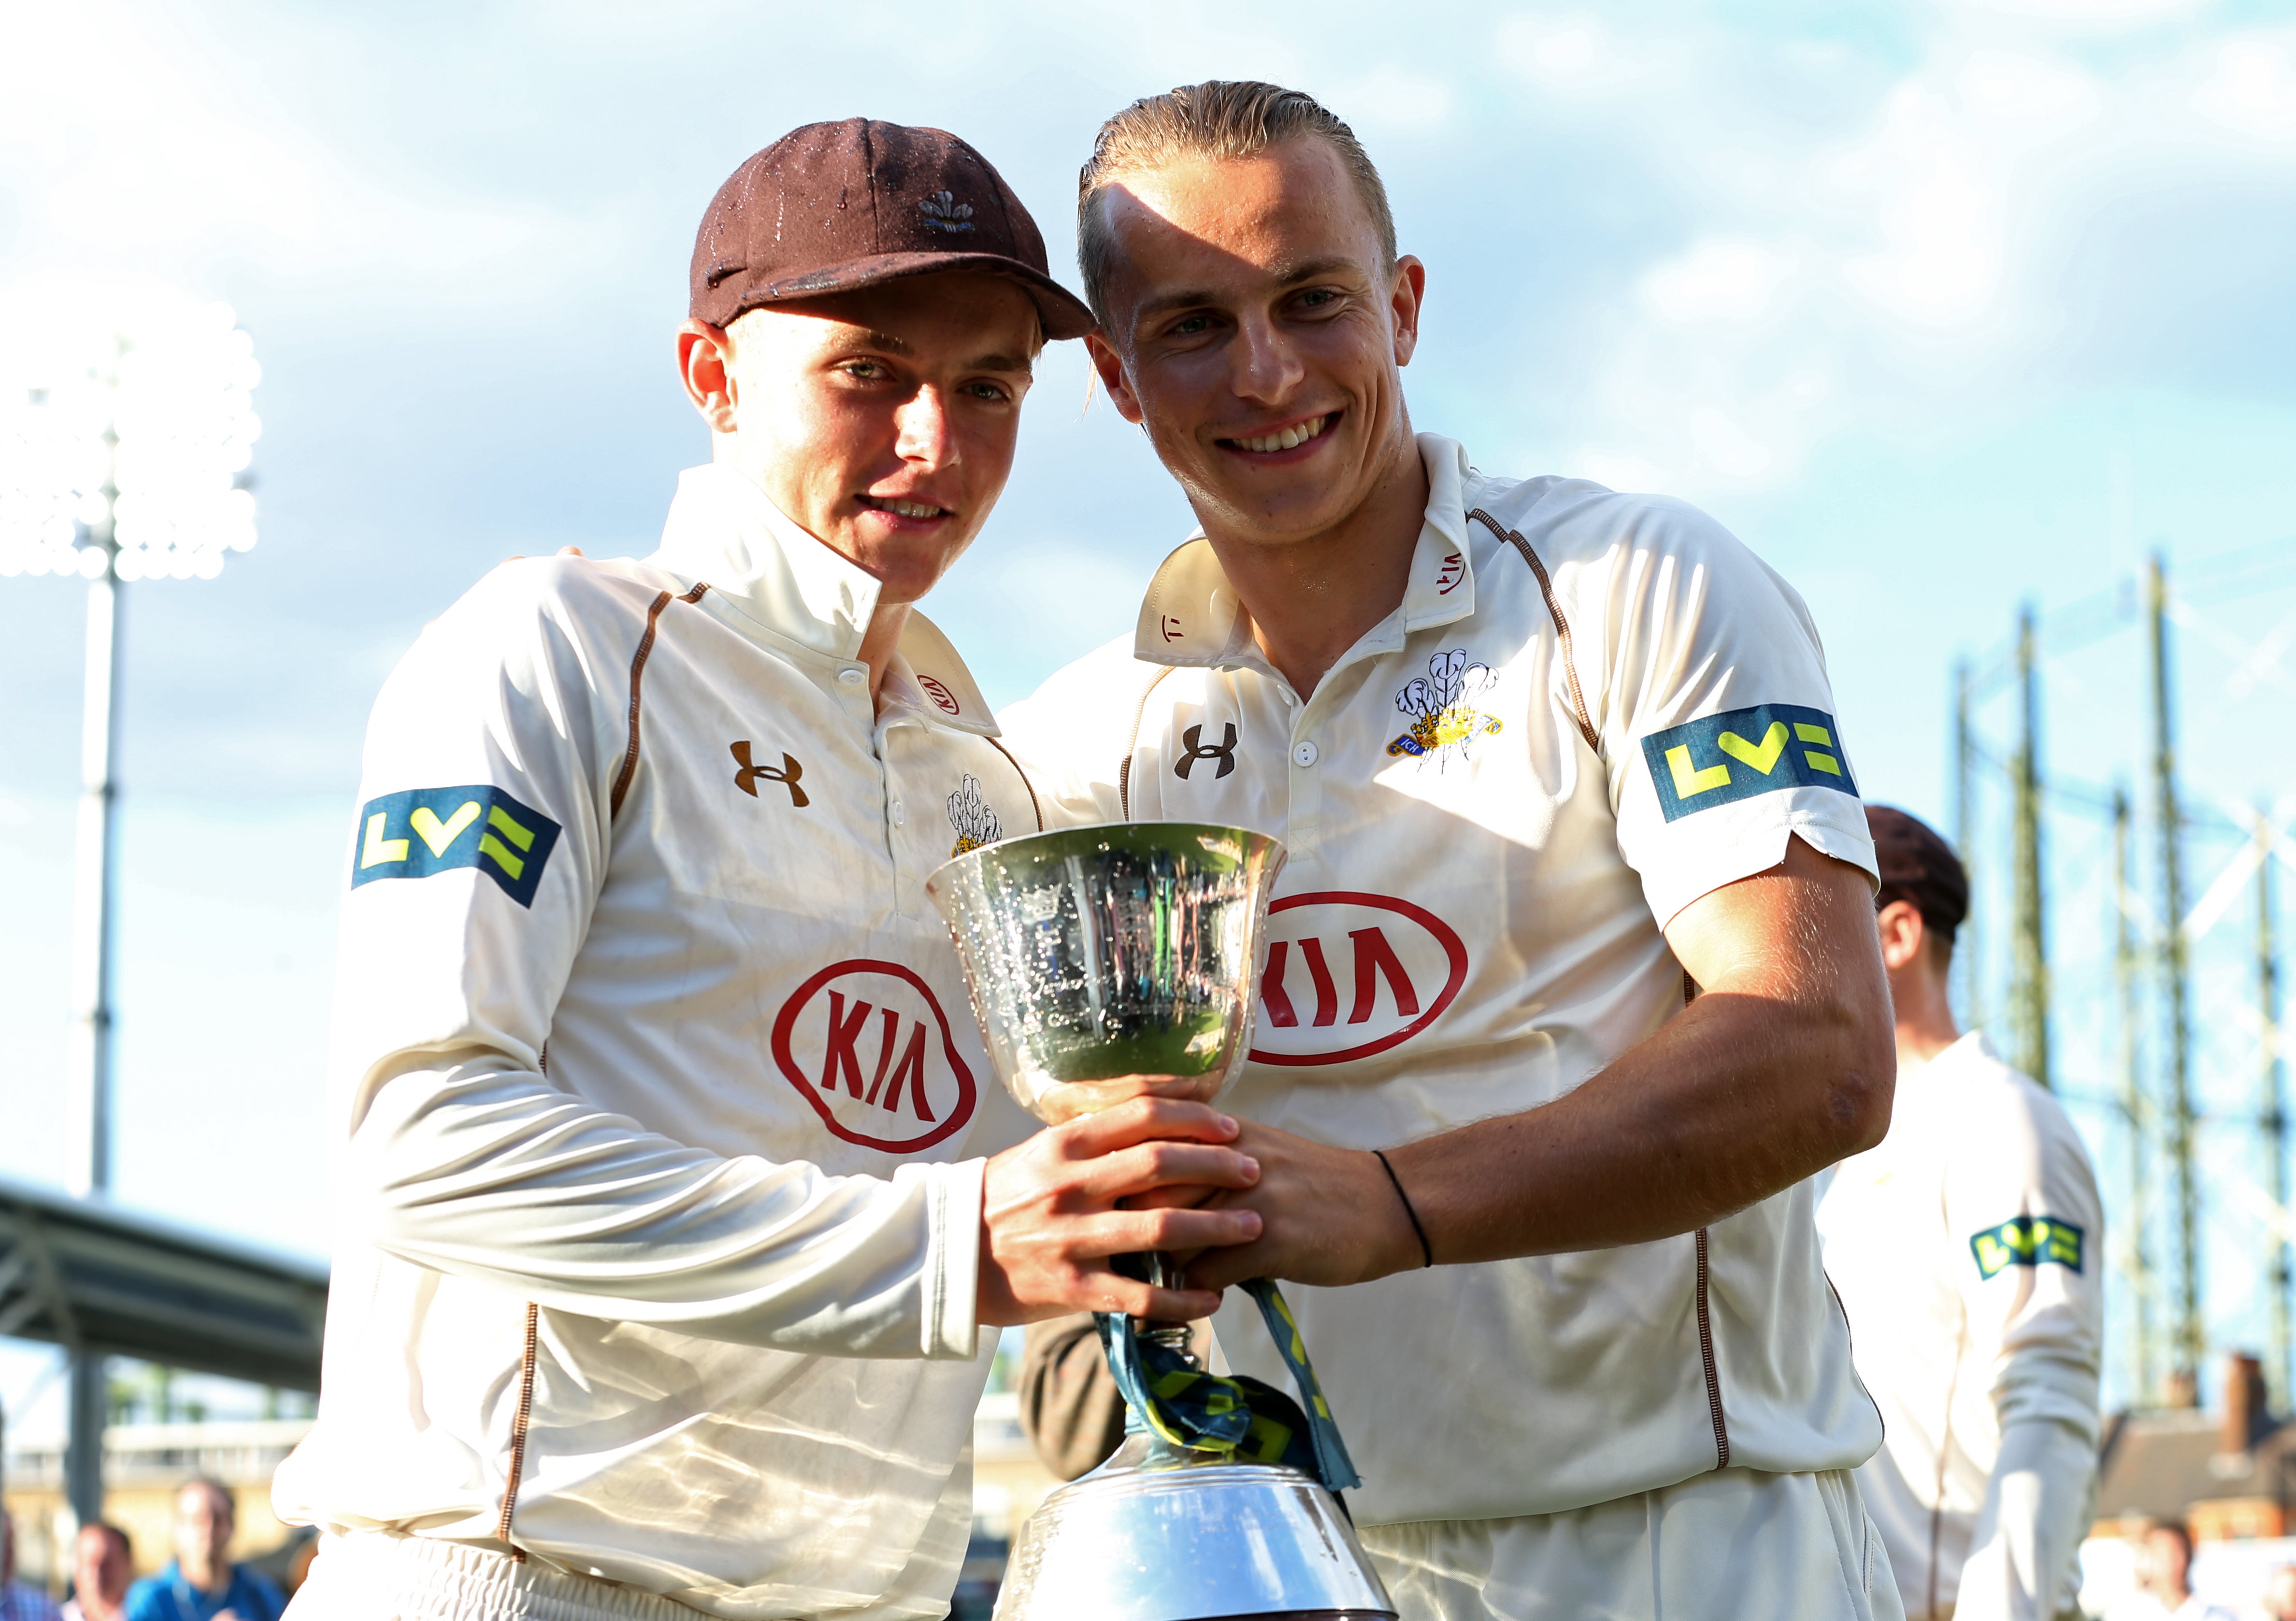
1939 307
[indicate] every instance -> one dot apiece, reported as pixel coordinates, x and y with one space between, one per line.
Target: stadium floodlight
124 448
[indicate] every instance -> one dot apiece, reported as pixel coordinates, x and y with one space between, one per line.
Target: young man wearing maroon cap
1967 1247
666 1284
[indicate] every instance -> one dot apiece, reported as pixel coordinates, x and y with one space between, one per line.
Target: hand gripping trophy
1095 956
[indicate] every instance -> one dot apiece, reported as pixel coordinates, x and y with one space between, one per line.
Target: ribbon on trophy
1237 1417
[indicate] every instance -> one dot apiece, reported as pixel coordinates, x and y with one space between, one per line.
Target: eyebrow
1284 277
999 362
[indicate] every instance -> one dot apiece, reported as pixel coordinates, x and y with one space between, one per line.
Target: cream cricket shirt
1968 1247
1590 710
653 1069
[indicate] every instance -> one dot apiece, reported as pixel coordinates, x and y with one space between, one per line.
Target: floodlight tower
126 460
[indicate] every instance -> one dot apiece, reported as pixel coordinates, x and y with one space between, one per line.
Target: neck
882 641
1925 1013
1311 599
209 1576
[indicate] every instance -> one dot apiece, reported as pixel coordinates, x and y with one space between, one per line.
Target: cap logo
944 212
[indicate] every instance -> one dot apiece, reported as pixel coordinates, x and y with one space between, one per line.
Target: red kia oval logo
938 693
867 1044
1350 975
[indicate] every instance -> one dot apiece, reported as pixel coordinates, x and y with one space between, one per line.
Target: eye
1317 298
993 392
1188 326
866 371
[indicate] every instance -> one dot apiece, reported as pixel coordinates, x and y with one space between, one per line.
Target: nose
923 432
1263 366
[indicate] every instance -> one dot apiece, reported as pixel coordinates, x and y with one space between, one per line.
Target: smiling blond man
671 1267
1543 755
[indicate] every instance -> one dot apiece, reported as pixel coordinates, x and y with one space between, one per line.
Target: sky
1941 307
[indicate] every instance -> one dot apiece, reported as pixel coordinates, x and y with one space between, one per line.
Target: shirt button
1303 752
852 677
900 817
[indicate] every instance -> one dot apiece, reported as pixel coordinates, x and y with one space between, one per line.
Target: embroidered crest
972 816
1444 720
944 212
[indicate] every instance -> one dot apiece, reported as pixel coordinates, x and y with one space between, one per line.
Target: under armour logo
786 774
1224 750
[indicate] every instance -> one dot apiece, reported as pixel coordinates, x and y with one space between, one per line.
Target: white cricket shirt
1968 1247
1589 711
645 1018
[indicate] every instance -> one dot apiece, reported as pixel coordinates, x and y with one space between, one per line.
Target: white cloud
1395 99
2251 90
1572 53
1916 256
1719 279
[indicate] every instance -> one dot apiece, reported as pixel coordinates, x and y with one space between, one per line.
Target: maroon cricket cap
1918 867
832 207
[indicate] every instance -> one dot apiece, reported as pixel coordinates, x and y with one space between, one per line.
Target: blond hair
1222 119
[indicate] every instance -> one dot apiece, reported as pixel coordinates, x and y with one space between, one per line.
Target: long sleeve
469 907
2027 1532
2024 1205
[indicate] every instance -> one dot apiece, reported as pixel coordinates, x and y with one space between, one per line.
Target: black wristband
1426 1250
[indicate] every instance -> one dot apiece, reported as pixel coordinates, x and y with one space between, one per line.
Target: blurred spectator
19 1602
2280 1594
2164 1560
200 1583
102 1569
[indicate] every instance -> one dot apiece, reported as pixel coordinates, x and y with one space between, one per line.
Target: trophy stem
1166 1273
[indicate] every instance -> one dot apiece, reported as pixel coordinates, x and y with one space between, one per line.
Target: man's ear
1905 934
1109 364
1407 299
702 365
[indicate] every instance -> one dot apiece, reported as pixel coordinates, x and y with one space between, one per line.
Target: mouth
1289 437
905 509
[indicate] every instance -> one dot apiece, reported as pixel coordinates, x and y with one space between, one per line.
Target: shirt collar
1192 615
725 530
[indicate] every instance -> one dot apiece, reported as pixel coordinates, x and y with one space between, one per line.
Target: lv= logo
1762 749
786 774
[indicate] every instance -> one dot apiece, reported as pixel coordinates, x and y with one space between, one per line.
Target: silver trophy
1092 955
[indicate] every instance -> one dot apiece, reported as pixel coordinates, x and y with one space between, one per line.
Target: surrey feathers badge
972 816
1444 719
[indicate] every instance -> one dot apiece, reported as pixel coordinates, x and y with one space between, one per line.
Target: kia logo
1350 975
867 1044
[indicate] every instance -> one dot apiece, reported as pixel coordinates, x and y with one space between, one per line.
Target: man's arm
464 1156
1784 1065
2046 1306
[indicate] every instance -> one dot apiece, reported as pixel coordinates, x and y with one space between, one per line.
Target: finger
1142 1120
1149 1165
1108 1291
1178 1196
1128 1233
1180 1305
1220 1268
570 551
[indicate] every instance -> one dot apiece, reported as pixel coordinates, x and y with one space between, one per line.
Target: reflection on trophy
1129 949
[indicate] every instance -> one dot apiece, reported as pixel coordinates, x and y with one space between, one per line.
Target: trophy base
1159 1532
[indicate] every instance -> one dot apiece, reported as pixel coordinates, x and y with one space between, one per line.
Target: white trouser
1731 1546
374 1577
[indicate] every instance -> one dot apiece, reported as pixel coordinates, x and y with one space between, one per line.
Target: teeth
911 509
1289 437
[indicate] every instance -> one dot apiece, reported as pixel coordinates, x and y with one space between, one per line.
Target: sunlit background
1941 307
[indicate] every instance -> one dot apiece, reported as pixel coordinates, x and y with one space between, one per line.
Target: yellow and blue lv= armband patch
2027 1241
1741 752
431 830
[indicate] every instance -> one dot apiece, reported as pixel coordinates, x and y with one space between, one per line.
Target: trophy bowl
1097 958
1095 954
